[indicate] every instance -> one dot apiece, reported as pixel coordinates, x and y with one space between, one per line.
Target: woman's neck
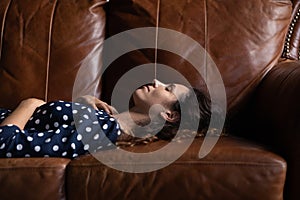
132 120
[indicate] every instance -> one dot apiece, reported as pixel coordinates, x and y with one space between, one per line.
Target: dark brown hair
188 113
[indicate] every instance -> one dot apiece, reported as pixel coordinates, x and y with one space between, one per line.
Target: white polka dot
9 125
17 131
86 147
39 110
55 148
58 108
75 155
83 107
1 130
31 118
27 156
65 126
79 137
37 148
86 116
112 119
19 147
44 112
47 126
51 104
56 124
48 140
65 117
96 137
57 131
109 144
80 121
60 101
37 121
72 123
64 139
95 122
14 137
8 155
29 138
119 132
77 104
2 146
89 110
73 146
88 129
100 147
67 105
105 126
40 134
46 156
64 153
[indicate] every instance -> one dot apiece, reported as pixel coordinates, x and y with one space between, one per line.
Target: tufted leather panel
245 39
32 178
235 169
43 45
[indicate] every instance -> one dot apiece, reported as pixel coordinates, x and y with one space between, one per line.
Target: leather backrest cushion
43 44
244 38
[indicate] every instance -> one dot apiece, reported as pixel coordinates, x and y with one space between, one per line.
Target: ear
170 116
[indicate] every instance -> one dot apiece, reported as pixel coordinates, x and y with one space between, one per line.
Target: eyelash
169 88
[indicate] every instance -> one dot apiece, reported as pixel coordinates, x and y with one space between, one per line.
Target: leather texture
43 45
279 127
31 178
292 45
235 169
245 40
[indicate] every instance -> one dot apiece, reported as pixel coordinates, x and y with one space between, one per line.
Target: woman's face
158 93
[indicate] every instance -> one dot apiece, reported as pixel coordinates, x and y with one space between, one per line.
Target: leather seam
49 50
3 27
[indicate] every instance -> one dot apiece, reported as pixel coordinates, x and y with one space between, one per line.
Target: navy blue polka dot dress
59 129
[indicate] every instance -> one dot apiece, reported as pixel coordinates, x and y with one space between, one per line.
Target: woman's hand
96 104
23 112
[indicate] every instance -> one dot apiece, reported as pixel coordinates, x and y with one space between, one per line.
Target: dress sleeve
60 130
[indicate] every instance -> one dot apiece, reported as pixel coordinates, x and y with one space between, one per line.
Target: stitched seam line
200 163
3 25
49 50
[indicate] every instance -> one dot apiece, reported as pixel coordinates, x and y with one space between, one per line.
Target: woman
62 129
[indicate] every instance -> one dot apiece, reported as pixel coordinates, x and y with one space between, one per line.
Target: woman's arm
23 112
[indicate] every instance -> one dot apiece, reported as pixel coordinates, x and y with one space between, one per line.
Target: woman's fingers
102 105
97 104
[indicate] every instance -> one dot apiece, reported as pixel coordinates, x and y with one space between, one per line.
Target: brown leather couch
254 44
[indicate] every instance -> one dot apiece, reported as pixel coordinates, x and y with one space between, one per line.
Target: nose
157 83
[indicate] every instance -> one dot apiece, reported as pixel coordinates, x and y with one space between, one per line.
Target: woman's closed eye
170 88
